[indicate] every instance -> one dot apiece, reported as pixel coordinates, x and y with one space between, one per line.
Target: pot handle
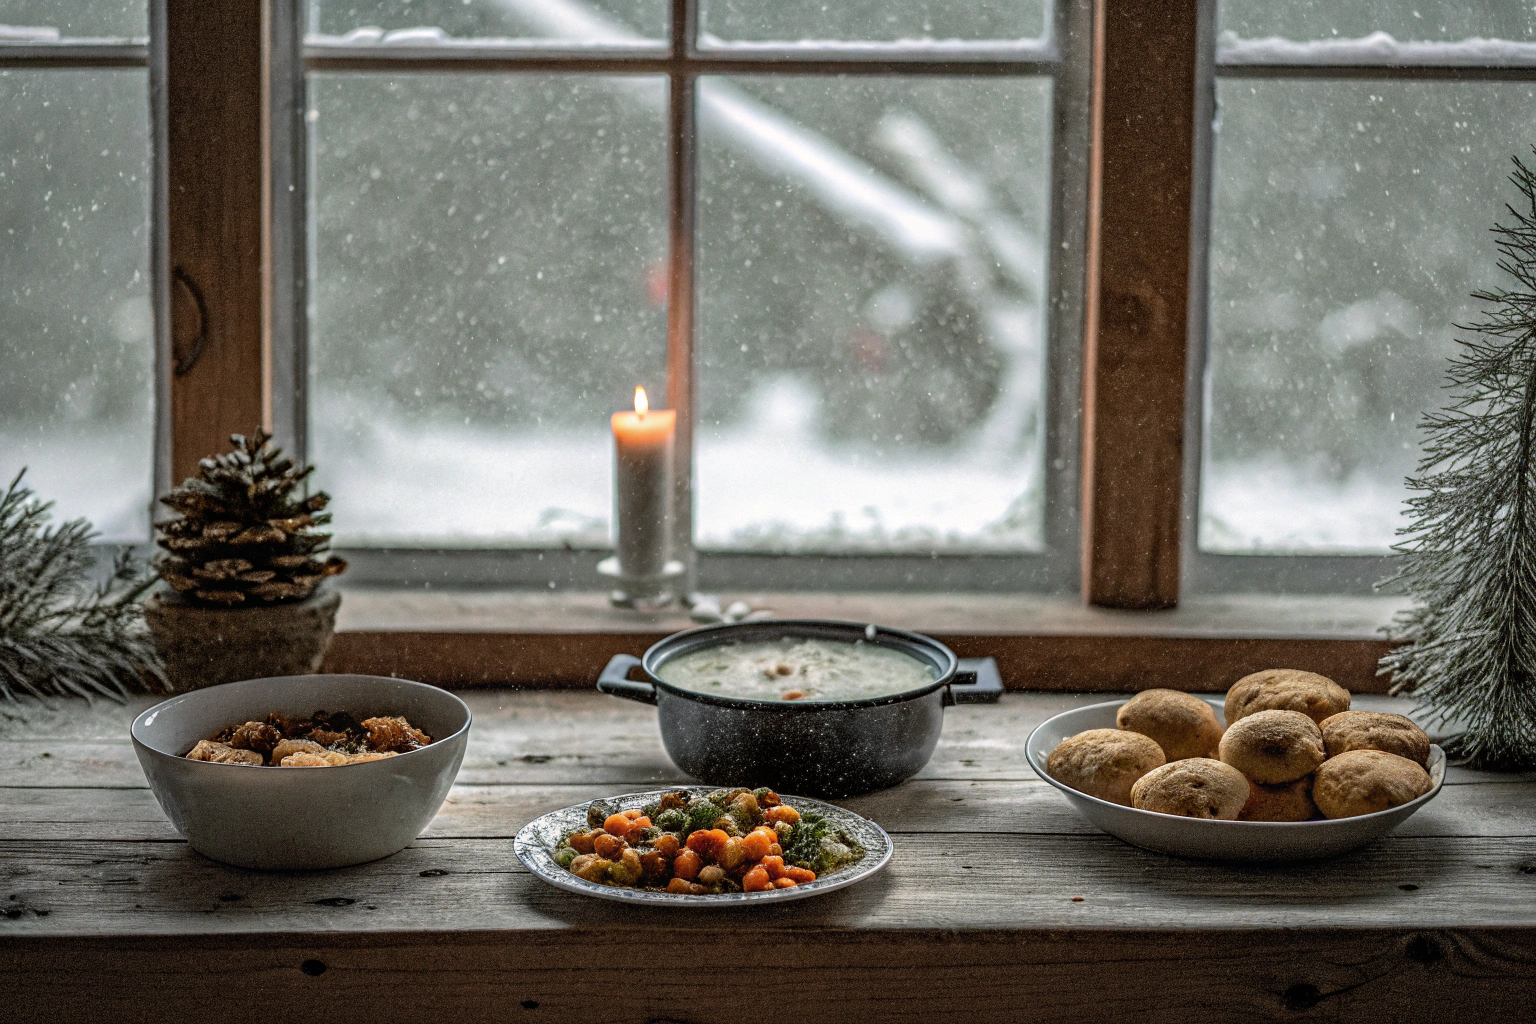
976 681
615 680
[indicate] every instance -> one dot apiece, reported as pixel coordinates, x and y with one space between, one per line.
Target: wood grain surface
1041 642
1141 185
213 100
1000 904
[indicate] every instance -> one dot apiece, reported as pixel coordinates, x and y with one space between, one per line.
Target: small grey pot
206 646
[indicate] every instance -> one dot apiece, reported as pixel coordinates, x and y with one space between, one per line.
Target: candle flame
641 405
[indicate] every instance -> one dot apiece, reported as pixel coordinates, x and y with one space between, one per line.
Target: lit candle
642 488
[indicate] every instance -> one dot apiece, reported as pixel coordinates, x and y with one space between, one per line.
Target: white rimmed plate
1215 840
535 847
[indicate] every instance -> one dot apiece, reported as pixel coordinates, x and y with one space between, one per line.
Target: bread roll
1182 724
1196 787
1273 747
1366 781
1375 730
1285 689
1104 762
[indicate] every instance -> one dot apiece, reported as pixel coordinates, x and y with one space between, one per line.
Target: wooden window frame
230 283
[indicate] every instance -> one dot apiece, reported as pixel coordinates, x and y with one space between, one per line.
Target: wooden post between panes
214 139
1138 284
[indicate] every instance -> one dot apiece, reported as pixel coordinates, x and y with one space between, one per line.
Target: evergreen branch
1468 649
59 634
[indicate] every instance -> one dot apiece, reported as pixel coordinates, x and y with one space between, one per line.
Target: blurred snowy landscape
488 274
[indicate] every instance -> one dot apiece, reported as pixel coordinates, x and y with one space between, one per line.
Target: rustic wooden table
1000 904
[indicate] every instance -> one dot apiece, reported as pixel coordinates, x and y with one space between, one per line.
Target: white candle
642 487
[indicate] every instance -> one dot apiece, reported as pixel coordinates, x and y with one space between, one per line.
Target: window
860 212
76 332
1359 154
850 242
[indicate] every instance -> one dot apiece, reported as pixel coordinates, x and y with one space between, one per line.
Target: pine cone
243 538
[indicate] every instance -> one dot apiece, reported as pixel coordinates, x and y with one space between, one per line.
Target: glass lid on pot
797 668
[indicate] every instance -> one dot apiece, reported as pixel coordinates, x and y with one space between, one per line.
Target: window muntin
722 21
76 334
488 284
872 288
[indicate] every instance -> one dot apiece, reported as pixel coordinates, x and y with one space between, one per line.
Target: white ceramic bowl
301 818
1215 840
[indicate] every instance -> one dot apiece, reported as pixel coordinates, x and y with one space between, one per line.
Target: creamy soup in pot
795 668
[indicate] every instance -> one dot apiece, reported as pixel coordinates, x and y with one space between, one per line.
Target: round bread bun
1366 781
1182 724
1375 730
1273 747
1290 801
1104 762
1285 689
1196 787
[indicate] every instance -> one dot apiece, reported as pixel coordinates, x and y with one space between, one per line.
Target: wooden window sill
562 640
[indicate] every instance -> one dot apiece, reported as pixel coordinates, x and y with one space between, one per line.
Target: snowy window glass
1345 22
425 22
51 20
870 20
1349 222
489 264
489 278
872 314
74 278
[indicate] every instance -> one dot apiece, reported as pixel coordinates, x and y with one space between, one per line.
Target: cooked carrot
768 799
608 846
686 865
666 844
616 825
773 865
633 813
756 880
755 845
784 813
784 883
581 842
640 822
680 886
800 874
775 850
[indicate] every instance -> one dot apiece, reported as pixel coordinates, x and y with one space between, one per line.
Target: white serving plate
1202 837
535 847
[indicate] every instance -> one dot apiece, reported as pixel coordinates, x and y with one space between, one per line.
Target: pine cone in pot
245 564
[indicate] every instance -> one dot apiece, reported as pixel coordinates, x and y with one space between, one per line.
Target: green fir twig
60 635
1469 557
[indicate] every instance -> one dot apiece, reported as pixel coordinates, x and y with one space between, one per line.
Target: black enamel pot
816 748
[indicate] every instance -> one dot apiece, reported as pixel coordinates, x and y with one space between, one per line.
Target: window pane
489 284
871 20
1404 20
570 21
1350 221
872 285
45 20
75 333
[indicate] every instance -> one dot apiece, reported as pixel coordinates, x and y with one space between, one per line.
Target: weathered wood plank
1140 195
987 882
1400 975
553 737
919 806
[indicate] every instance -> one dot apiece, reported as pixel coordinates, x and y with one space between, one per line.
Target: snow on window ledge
1376 49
